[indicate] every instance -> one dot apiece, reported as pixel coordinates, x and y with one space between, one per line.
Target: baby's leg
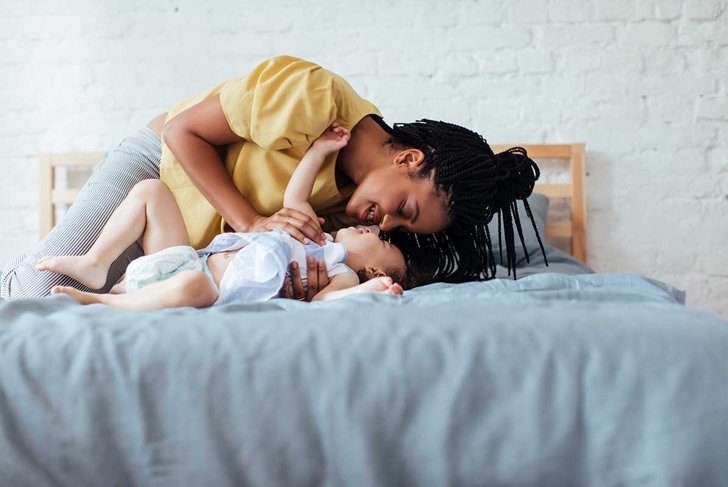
149 211
188 288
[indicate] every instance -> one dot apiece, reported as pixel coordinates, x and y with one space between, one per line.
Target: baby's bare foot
81 268
80 296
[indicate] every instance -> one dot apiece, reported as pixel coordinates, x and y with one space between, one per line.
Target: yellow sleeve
284 102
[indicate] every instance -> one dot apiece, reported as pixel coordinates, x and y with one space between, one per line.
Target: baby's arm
300 186
347 283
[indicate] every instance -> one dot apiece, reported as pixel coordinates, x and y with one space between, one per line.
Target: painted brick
481 12
701 34
618 10
535 62
712 108
658 9
704 9
570 11
648 33
527 11
485 38
557 36
578 59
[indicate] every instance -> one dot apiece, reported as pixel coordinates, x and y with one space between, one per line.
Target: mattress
562 377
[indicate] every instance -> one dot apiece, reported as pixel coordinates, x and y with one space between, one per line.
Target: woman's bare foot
80 296
80 267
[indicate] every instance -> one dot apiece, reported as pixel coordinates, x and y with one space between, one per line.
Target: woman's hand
318 278
300 225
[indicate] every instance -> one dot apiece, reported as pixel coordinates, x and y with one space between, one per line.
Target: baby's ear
371 272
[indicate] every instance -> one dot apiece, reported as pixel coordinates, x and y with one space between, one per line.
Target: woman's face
395 197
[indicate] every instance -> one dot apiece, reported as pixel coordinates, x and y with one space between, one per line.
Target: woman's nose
387 224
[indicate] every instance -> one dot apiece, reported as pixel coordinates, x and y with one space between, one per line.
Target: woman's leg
149 212
188 288
135 159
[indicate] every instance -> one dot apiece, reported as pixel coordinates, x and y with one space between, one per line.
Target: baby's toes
57 289
42 263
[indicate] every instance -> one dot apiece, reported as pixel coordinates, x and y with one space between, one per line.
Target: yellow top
279 109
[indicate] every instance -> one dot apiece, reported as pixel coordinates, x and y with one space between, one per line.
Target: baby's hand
334 138
381 285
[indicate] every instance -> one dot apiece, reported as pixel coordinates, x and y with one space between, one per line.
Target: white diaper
162 265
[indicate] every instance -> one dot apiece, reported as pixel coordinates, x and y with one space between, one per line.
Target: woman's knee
5 282
22 280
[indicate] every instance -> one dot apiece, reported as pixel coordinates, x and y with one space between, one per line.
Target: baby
235 267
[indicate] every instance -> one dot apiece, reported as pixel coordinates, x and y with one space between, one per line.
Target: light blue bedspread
553 379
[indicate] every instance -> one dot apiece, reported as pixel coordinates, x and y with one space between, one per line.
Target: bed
562 377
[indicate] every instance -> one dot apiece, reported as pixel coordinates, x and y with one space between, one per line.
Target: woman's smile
370 215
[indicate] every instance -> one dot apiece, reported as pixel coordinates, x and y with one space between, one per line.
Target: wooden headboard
572 229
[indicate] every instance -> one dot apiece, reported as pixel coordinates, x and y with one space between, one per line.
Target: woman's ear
411 159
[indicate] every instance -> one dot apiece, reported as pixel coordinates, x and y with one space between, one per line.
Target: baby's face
366 249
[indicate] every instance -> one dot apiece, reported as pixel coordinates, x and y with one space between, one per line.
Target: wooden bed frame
573 229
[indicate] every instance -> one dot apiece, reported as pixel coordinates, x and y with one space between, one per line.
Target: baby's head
371 257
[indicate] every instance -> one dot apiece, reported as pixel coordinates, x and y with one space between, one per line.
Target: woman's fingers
295 233
312 284
318 275
303 223
286 291
297 282
323 274
301 227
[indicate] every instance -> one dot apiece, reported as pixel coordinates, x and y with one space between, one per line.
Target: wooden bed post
578 206
50 195
47 183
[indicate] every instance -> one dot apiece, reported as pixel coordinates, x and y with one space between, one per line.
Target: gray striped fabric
135 159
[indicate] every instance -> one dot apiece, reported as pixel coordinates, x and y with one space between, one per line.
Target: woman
228 154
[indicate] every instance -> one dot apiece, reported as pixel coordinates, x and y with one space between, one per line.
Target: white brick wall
643 82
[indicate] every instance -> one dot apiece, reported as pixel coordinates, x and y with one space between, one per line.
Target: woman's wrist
244 224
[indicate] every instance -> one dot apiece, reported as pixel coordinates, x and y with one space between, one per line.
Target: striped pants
135 159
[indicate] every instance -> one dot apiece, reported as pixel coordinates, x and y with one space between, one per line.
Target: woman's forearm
203 165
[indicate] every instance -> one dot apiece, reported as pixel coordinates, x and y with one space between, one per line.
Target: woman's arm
193 137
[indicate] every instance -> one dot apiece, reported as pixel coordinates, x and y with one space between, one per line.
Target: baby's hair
479 184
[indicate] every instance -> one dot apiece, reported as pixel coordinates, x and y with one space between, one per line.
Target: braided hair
479 184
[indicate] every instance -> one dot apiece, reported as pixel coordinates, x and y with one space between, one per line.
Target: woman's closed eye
401 210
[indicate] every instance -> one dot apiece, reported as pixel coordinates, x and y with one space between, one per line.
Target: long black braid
479 184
